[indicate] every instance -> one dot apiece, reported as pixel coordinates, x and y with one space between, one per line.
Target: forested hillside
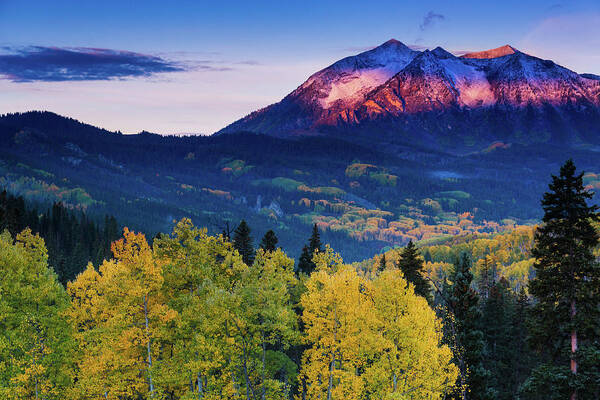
199 316
363 197
72 238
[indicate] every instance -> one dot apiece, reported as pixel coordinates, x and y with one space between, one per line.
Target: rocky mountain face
438 100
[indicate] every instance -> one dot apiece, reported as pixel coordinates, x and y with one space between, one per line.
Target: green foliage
287 184
306 263
194 317
384 179
236 167
357 170
40 190
382 263
411 265
506 353
71 237
242 242
35 340
456 194
465 336
269 241
566 314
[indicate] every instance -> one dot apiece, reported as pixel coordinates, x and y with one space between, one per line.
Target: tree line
195 316
72 238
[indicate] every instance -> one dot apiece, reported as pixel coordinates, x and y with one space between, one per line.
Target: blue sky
195 66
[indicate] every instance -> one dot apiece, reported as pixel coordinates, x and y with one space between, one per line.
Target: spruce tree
467 339
506 355
565 320
242 242
314 243
269 241
411 264
305 263
522 356
382 263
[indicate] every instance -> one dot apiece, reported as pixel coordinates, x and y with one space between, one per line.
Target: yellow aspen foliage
199 273
86 316
412 363
123 341
370 338
337 321
35 342
265 318
228 313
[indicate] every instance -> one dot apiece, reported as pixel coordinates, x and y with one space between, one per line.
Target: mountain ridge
391 90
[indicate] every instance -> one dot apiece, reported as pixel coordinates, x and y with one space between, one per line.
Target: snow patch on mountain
346 82
400 88
471 82
353 87
492 53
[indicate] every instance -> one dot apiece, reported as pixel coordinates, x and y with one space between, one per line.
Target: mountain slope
362 199
436 99
330 91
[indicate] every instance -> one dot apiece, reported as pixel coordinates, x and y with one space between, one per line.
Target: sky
196 66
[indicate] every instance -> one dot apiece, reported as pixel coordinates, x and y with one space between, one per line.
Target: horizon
159 69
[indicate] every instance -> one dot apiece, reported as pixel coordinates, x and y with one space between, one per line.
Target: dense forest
363 197
71 237
194 315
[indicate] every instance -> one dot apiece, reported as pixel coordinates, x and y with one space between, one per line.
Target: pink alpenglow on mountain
438 99
492 53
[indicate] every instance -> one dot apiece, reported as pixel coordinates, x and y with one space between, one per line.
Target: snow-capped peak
347 81
492 53
442 53
398 87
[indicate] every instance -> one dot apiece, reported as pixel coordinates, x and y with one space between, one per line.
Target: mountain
492 53
435 99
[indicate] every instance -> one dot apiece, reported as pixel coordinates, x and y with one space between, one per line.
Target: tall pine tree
466 338
269 241
242 242
305 263
565 322
314 243
411 265
506 354
382 263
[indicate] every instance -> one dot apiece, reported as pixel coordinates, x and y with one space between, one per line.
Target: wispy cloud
55 64
248 62
555 7
430 19
570 40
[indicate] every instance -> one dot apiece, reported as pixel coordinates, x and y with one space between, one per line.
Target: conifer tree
411 265
382 263
522 355
505 353
305 263
269 241
565 320
242 242
314 242
467 339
